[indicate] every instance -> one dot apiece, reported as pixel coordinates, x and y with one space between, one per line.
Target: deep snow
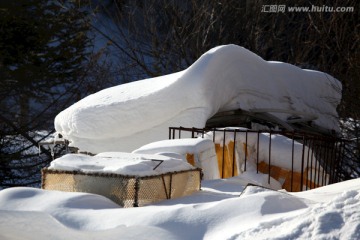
125 117
216 212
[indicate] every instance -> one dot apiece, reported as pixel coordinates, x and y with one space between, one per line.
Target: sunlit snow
125 117
222 210
136 116
120 163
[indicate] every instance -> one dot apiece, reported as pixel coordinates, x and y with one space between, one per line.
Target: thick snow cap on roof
125 117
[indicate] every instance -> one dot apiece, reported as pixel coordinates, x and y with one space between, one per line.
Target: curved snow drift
125 117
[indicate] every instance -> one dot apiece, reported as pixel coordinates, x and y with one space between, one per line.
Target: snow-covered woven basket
198 152
124 189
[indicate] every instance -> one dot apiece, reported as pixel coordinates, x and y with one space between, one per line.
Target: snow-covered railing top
125 117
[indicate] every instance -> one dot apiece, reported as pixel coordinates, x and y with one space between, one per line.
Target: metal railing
312 160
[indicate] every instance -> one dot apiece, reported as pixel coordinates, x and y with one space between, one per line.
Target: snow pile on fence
125 117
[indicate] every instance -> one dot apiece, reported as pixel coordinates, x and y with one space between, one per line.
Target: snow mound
217 212
125 117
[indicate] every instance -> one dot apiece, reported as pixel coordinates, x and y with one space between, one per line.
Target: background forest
53 53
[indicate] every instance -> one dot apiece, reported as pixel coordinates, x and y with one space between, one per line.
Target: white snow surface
120 163
125 117
181 146
203 150
216 212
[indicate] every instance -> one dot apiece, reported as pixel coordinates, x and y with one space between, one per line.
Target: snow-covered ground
125 117
222 210
133 116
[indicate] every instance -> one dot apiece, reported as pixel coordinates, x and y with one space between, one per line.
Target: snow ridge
125 117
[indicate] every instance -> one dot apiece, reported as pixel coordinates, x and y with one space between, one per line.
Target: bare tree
157 37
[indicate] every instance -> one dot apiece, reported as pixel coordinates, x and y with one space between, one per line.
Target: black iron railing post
292 161
233 154
269 157
312 147
307 165
302 165
245 150
324 155
223 155
173 133
257 152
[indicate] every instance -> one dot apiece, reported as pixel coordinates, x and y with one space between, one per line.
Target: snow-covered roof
125 117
